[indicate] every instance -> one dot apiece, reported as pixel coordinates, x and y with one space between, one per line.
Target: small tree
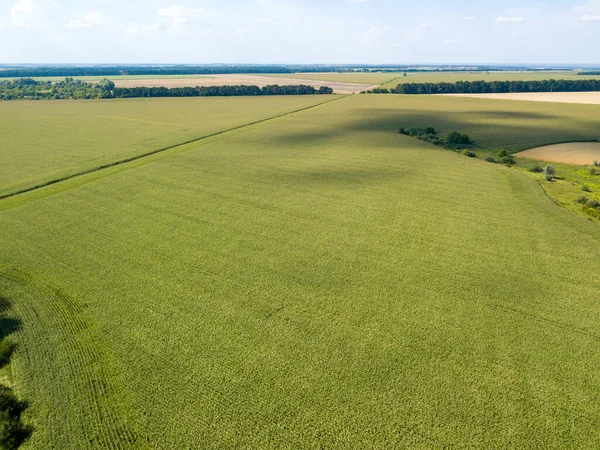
549 172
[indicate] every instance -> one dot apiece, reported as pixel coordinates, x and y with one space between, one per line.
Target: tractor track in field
134 158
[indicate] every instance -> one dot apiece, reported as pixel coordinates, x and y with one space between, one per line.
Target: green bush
508 160
469 153
456 138
490 160
536 169
549 172
586 188
503 154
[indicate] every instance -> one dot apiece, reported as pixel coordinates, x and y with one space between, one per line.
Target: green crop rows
312 281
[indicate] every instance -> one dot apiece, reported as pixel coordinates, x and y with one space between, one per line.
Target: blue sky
299 31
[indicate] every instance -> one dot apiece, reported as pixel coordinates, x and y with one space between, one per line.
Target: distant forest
595 72
107 71
483 87
29 89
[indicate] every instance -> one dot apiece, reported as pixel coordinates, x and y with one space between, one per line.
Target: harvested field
220 80
570 153
590 98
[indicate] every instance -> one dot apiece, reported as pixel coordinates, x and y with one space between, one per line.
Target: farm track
157 151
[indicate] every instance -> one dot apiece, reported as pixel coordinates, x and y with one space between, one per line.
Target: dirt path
257 80
572 153
592 98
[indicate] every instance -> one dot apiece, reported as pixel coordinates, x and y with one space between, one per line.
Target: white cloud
146 28
517 19
31 13
88 21
470 18
591 18
182 15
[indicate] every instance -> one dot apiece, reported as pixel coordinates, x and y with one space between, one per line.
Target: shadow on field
330 176
511 114
8 325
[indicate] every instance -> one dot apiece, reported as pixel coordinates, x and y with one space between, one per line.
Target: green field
356 77
45 141
391 80
313 281
452 77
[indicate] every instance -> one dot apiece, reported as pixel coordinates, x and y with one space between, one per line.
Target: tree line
29 89
213 69
595 72
483 87
219 91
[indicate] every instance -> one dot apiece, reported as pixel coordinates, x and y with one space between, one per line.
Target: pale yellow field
590 98
571 153
257 80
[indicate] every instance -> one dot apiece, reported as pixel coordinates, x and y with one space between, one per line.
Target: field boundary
156 151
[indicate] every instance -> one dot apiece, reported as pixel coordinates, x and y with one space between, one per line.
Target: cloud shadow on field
510 114
341 177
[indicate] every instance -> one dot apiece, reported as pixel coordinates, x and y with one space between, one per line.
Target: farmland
313 280
590 98
391 80
78 136
568 153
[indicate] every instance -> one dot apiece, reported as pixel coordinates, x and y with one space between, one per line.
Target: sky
300 31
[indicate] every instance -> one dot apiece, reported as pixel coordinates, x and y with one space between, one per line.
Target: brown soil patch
591 98
572 153
257 80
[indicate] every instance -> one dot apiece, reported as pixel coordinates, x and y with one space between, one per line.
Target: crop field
567 153
589 98
312 281
72 136
391 80
374 78
452 77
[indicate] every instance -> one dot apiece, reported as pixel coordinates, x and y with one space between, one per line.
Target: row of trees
483 87
105 71
30 89
211 69
218 91
594 72
452 140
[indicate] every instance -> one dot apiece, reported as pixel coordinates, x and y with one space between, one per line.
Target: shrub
549 172
490 160
468 153
594 204
536 169
502 154
456 138
585 188
593 171
508 160
582 200
596 163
